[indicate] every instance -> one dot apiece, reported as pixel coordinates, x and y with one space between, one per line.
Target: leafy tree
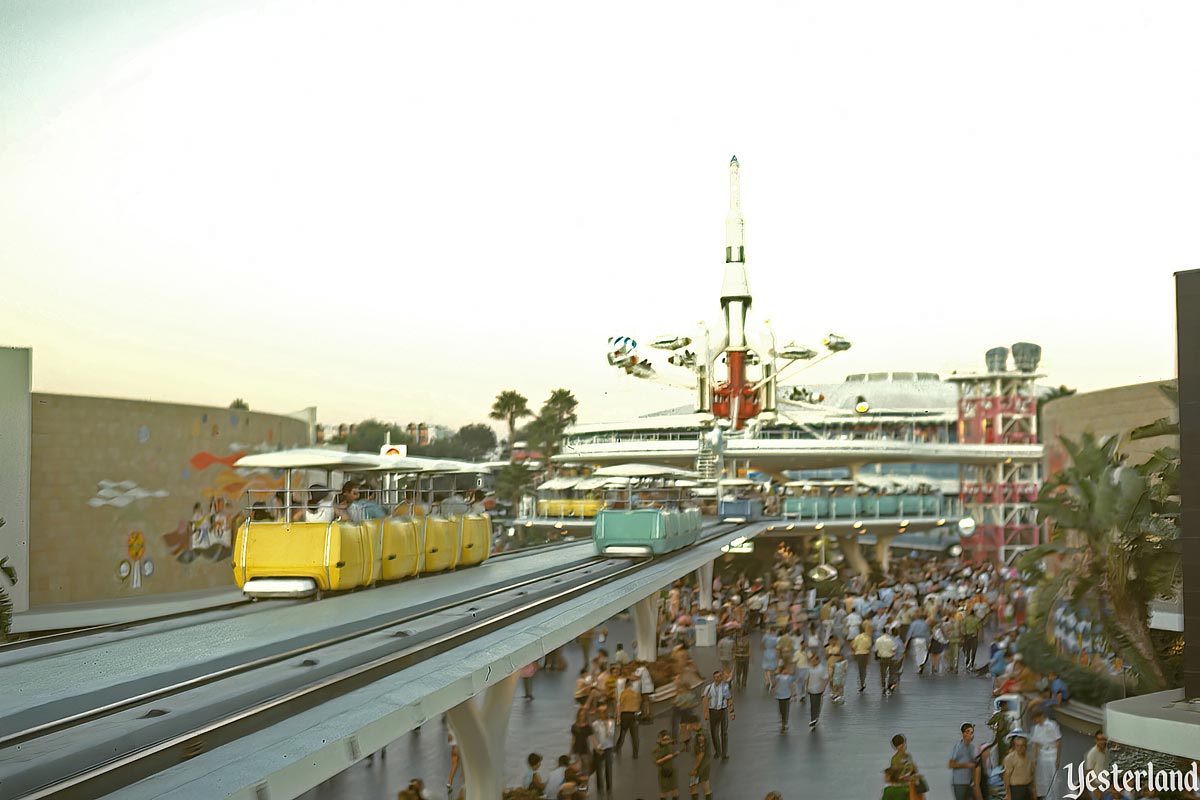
475 440
6 605
509 407
240 405
369 436
1115 527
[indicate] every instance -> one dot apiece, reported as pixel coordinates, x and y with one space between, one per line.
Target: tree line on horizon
473 442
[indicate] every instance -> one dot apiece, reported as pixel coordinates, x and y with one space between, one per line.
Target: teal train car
644 531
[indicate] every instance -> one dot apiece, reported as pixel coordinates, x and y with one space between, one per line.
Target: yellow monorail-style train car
297 547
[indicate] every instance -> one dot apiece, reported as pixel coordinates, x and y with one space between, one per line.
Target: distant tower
999 406
735 399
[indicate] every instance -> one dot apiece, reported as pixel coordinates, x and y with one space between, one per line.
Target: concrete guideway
151 733
308 748
89 677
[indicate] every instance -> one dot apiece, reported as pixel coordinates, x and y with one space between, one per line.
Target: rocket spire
735 223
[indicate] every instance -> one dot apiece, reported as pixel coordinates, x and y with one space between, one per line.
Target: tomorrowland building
892 454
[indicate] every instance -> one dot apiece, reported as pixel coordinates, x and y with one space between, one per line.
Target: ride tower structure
999 407
735 399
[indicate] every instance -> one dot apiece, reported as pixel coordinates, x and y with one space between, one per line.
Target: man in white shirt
718 710
554 780
1097 758
604 732
853 624
886 649
320 505
1047 750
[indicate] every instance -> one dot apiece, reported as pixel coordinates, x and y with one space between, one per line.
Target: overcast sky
399 209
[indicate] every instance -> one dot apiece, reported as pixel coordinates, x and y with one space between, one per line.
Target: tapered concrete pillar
480 725
704 579
883 552
645 625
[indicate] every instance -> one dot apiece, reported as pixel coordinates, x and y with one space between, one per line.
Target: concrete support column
883 552
704 579
480 725
645 624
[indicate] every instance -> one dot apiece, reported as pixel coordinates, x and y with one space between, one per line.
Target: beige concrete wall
113 485
1108 412
16 369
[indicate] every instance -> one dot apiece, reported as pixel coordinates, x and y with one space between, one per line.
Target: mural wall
16 369
130 497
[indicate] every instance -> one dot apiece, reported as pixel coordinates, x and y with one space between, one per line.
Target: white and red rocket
736 399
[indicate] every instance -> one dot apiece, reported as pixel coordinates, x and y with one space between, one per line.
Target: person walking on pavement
815 683
918 641
664 758
699 777
962 764
861 647
628 705
718 710
603 730
971 624
785 694
885 654
725 653
954 635
770 659
1047 750
741 660
527 673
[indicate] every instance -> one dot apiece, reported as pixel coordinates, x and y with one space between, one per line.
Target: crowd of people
931 618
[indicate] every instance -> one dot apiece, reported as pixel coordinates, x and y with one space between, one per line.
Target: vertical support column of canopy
883 552
645 624
481 729
704 579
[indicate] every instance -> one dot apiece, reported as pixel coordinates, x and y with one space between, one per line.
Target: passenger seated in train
320 505
455 505
260 513
477 502
299 507
367 505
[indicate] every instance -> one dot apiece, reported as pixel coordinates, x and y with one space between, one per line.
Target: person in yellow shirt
861 647
628 705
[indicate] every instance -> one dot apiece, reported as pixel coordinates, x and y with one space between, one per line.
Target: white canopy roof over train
309 458
321 458
642 471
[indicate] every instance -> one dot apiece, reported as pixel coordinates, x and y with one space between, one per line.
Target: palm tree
1116 527
510 406
557 414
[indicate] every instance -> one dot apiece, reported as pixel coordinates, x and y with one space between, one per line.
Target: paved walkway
843 758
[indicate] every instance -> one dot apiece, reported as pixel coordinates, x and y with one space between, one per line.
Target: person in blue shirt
997 665
1059 693
918 639
785 693
770 662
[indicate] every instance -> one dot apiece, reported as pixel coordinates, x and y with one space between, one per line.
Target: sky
398 209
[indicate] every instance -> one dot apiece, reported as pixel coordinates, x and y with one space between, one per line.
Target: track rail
127 768
176 747
133 701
